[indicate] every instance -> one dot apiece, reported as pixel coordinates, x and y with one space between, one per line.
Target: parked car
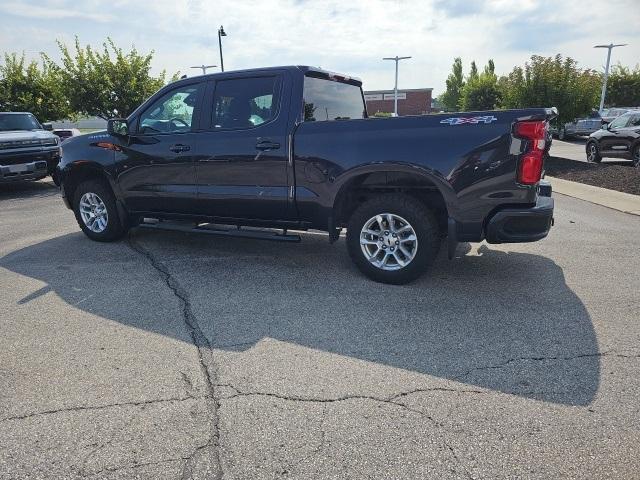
618 139
609 114
293 148
579 127
28 149
65 133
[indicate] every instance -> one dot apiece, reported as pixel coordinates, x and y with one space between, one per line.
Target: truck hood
21 135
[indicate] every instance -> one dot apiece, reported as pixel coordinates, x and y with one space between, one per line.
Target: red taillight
530 168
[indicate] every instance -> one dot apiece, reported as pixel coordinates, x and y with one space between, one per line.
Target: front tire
636 156
94 206
593 153
393 238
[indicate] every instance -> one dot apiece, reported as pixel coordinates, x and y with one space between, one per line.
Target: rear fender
344 182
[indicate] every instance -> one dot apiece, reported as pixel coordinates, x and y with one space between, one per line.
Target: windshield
18 121
620 121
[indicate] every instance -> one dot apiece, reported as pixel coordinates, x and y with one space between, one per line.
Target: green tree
108 82
473 73
481 92
623 87
490 67
31 87
455 81
552 82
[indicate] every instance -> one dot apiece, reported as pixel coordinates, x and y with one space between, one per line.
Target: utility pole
204 68
221 33
395 90
609 47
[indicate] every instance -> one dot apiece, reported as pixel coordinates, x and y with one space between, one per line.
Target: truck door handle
178 147
267 145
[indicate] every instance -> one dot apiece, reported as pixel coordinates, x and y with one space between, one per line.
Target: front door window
171 113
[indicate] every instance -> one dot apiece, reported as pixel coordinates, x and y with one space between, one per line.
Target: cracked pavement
177 356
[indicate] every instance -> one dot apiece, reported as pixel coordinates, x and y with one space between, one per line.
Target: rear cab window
327 99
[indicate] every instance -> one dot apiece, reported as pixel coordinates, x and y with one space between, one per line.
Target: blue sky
346 36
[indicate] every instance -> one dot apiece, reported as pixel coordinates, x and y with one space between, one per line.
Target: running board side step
210 229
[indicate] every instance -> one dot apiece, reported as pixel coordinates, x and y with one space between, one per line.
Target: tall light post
221 33
204 68
609 47
395 90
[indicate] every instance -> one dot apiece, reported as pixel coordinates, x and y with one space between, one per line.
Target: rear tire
94 206
593 152
562 134
385 225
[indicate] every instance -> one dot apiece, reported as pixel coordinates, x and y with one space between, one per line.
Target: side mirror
47 126
117 126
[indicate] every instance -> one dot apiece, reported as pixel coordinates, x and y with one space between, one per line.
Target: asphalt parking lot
573 149
181 356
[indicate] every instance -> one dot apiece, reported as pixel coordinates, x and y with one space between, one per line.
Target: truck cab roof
305 69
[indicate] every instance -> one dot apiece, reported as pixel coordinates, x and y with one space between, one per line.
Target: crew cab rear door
241 164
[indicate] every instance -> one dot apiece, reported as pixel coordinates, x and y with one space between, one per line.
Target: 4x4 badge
471 120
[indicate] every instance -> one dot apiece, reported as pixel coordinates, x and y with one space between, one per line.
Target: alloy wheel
94 212
388 241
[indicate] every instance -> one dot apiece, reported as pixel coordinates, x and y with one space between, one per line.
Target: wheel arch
353 188
81 171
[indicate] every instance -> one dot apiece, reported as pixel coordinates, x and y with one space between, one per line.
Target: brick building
411 101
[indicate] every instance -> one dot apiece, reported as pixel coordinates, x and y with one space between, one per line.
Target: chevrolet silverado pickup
244 153
27 150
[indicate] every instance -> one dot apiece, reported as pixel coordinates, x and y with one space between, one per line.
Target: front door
615 143
157 172
241 163
630 134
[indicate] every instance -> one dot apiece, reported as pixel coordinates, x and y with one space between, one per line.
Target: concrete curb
624 202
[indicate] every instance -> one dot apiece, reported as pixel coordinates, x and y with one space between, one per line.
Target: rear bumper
514 225
23 171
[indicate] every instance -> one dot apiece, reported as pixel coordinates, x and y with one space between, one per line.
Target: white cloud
52 12
343 36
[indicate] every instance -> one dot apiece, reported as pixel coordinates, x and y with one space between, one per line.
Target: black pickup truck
28 149
244 153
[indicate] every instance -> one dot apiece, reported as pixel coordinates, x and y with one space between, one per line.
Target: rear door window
242 103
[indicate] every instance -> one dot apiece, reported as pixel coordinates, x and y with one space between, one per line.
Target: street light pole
609 47
204 68
221 33
395 90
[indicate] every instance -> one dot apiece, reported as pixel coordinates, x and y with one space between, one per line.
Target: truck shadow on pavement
42 188
507 322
